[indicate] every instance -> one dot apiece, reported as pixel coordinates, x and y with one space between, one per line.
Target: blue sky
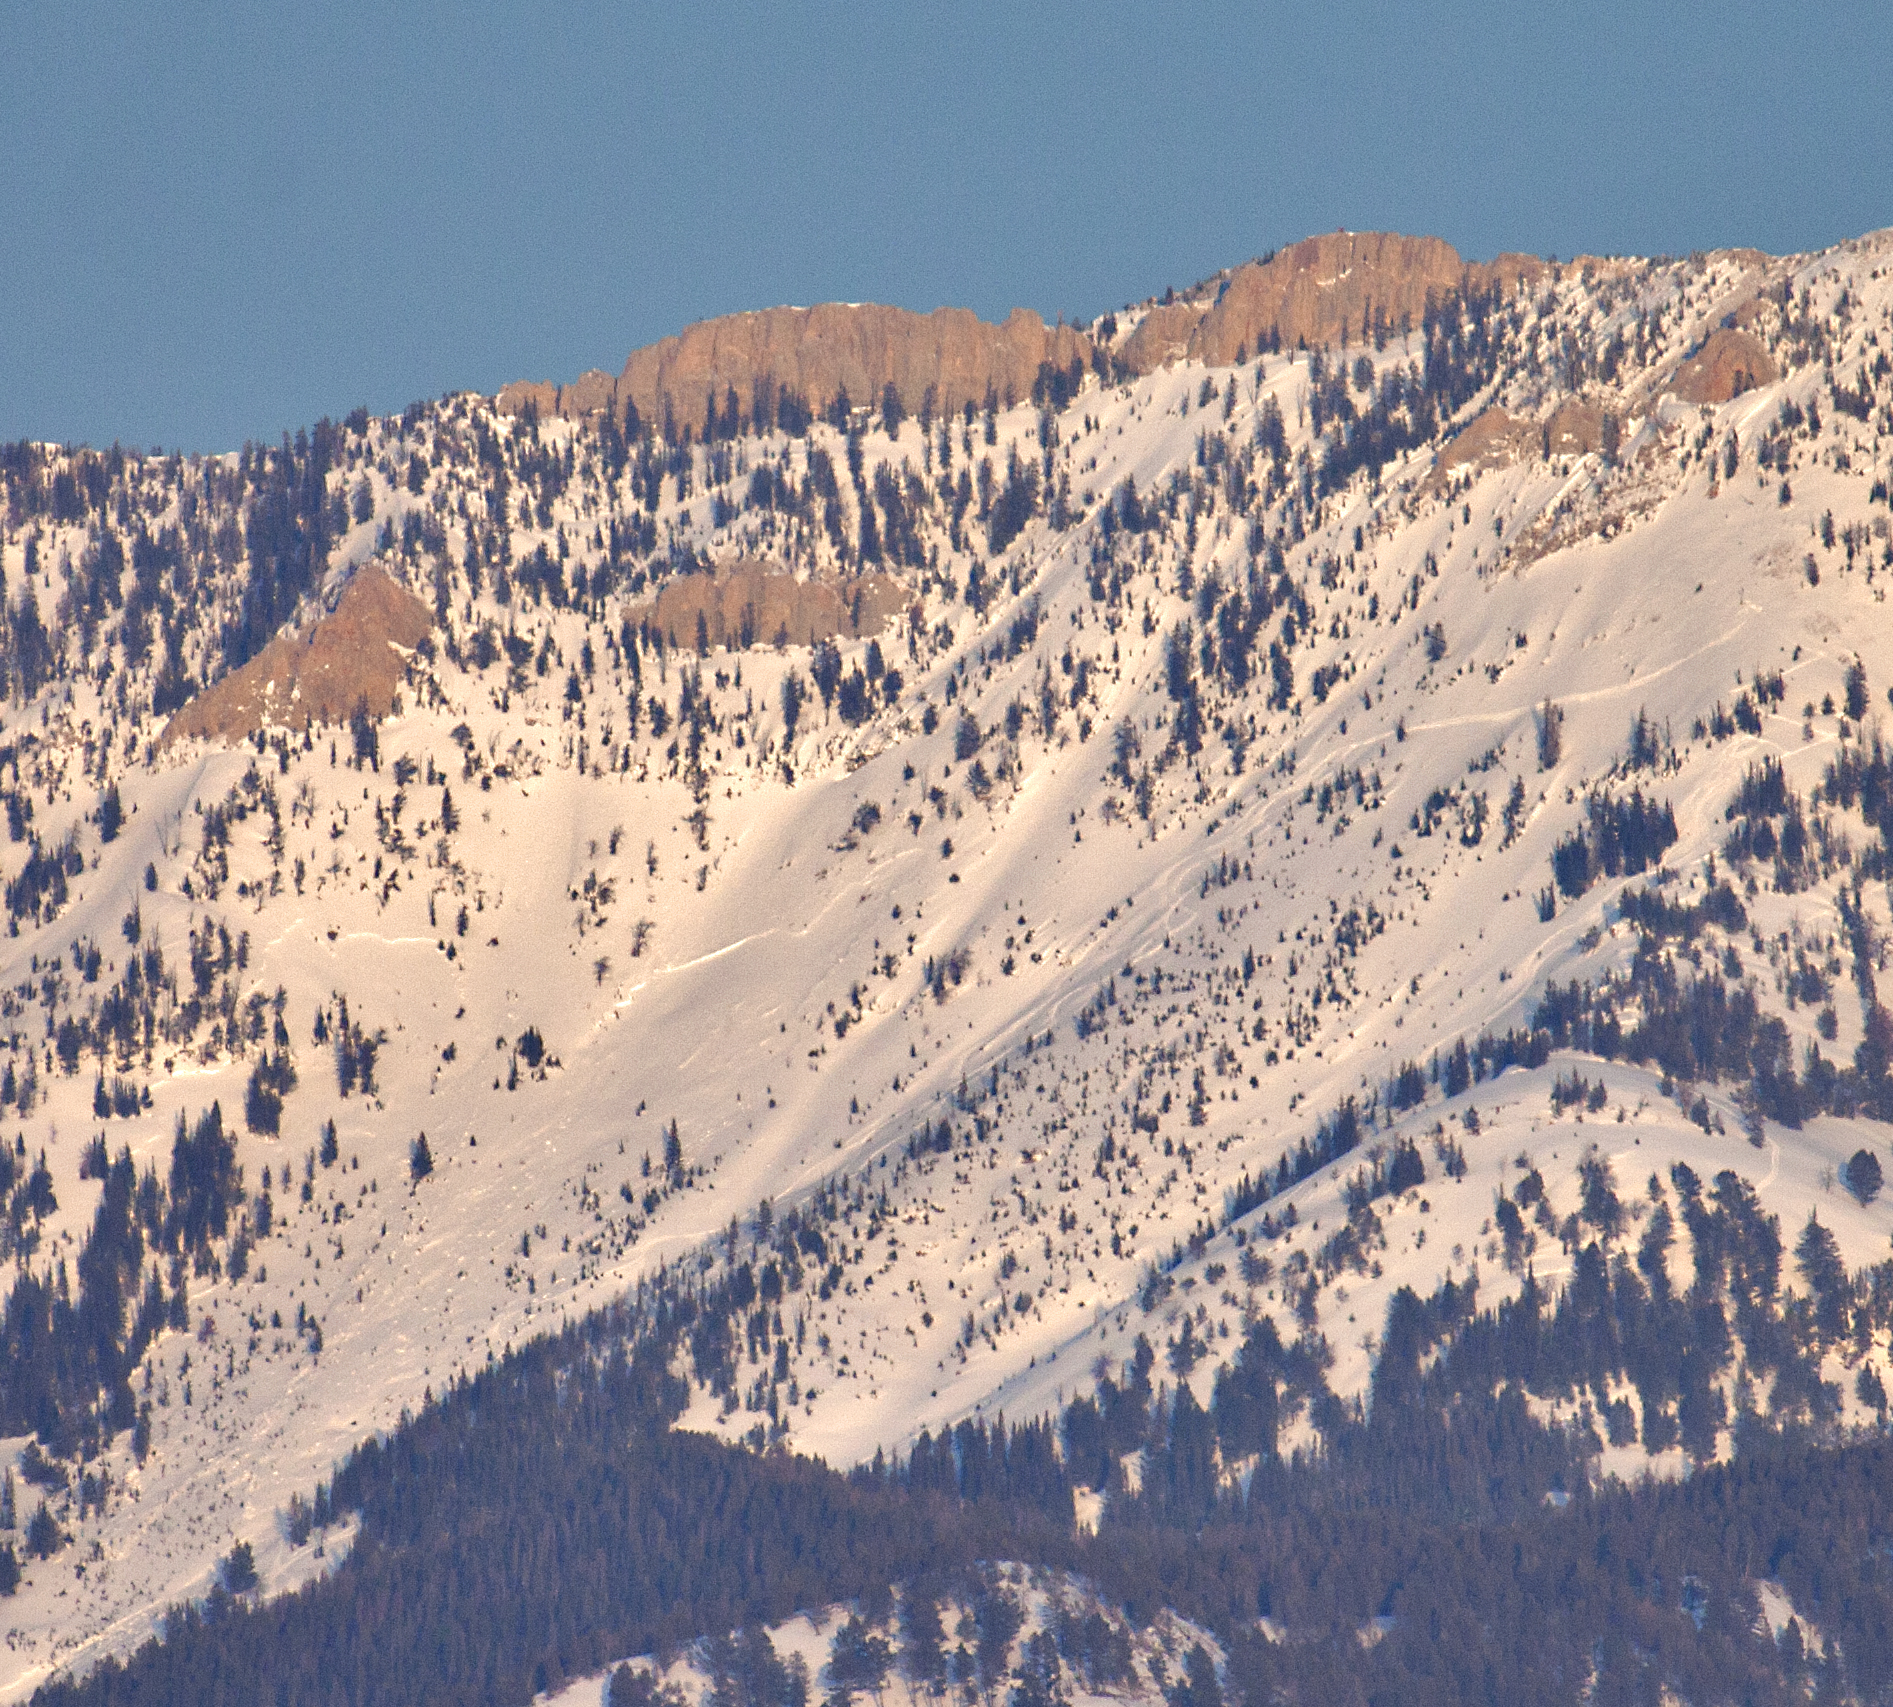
217 222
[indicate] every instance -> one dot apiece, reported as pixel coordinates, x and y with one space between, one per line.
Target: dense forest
542 1518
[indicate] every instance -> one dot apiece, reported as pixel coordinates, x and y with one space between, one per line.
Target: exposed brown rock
321 673
541 396
1576 428
1493 439
1730 362
1313 290
818 352
1310 292
593 391
1316 290
1162 336
1506 273
749 603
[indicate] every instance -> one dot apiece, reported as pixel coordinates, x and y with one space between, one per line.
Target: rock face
818 353
1493 439
1163 335
355 655
1310 292
1730 362
1313 291
1576 428
750 603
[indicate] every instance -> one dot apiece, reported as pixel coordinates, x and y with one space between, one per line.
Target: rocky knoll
1493 439
1576 428
1730 361
818 353
355 655
749 603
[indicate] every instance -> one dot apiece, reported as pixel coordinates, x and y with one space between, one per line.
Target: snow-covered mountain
1054 850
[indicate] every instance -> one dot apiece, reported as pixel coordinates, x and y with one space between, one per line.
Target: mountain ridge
1311 292
1078 942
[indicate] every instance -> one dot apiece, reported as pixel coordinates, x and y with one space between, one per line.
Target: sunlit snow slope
1222 792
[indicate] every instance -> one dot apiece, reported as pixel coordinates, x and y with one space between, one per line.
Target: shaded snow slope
1121 1664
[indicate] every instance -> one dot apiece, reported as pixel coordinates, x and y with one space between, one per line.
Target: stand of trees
66 1361
542 1518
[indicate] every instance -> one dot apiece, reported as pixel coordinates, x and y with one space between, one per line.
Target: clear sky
218 221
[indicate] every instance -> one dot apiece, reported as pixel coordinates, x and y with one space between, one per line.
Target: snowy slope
1151 1659
803 987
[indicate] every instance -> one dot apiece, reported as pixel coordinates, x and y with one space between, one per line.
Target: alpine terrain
1177 1009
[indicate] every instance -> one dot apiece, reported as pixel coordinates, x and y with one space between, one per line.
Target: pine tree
1856 690
1550 735
996 1616
44 1537
793 694
238 1569
858 1659
922 1659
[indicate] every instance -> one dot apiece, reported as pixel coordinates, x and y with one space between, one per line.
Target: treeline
542 1518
